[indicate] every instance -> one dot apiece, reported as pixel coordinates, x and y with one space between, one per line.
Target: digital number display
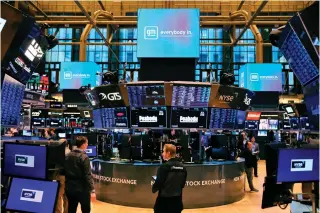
146 95
222 118
190 96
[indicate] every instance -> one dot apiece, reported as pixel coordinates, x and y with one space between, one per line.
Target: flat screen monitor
73 75
268 124
262 133
55 122
97 118
146 95
190 95
26 195
240 120
189 117
25 160
114 117
252 125
11 100
304 123
294 123
91 151
222 118
155 117
298 165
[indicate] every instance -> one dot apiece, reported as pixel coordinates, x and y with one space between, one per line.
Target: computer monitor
26 195
262 133
25 160
91 151
298 165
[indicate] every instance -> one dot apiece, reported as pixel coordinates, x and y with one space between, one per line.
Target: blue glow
168 33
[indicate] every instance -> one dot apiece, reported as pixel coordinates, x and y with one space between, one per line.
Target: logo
151 32
148 119
31 195
188 119
89 151
115 96
247 100
67 75
34 50
301 165
254 77
24 160
36 114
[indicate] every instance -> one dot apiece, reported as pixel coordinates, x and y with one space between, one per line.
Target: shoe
254 190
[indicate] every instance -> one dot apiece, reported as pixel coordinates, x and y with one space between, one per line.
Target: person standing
169 183
79 181
255 152
249 162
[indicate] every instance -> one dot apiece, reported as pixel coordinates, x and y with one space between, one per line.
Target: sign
168 33
189 117
253 116
109 96
73 75
131 185
261 77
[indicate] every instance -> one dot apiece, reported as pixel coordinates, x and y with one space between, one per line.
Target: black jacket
78 172
249 158
171 179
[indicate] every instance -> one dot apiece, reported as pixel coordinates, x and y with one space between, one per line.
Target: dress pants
255 167
84 198
62 201
249 172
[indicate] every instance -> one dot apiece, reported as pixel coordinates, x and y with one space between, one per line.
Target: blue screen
91 151
146 95
114 117
97 118
32 195
11 100
25 160
190 96
73 75
298 165
261 77
168 33
222 118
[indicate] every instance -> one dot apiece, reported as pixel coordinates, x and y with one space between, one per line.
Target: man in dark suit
170 181
249 163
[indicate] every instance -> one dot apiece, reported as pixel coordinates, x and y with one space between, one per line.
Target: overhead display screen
261 77
11 100
73 75
146 95
38 117
189 117
114 117
155 117
190 96
55 119
230 97
240 120
168 33
252 125
222 118
109 96
269 121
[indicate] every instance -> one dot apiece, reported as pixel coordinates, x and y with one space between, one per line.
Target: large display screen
190 96
109 96
261 77
240 120
222 118
73 75
11 100
26 195
149 117
114 117
146 95
168 33
25 160
298 165
269 121
189 117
